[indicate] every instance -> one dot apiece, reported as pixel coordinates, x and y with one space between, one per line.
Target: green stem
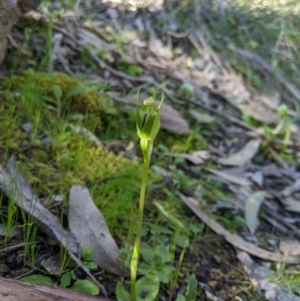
146 146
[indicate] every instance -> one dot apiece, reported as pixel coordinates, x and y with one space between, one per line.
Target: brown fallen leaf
243 156
229 178
197 158
90 228
193 159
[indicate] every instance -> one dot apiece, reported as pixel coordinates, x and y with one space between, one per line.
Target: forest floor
223 196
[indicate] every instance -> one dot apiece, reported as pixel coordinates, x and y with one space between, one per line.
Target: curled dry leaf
244 155
90 228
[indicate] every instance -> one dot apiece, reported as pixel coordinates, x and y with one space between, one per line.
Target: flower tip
162 99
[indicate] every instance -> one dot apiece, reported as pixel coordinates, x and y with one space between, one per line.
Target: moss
40 89
65 158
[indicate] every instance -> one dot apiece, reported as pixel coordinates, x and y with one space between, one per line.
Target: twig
17 246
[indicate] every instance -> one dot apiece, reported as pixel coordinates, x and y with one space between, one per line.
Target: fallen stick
14 290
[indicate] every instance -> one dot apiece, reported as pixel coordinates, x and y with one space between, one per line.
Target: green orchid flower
147 118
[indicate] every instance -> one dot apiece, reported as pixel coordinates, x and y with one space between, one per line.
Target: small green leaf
121 293
88 253
182 240
187 90
91 265
85 286
180 298
57 92
144 268
163 252
77 91
38 279
191 292
65 280
165 274
283 110
147 254
147 287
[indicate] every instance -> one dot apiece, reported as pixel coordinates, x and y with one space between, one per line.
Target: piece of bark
14 290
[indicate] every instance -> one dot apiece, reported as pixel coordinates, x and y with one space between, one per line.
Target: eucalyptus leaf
252 207
147 287
88 225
